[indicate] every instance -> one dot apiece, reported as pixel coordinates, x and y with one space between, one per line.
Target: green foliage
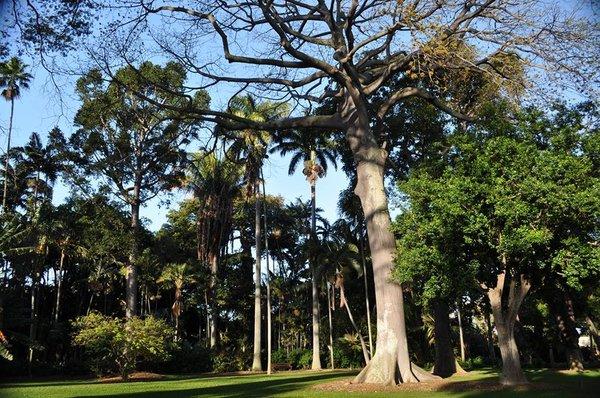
111 342
528 194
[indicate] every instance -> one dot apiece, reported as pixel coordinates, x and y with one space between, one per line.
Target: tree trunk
505 308
460 333
256 361
269 309
212 308
6 162
367 304
316 316
490 335
391 363
33 317
131 287
445 363
594 336
565 317
59 280
329 317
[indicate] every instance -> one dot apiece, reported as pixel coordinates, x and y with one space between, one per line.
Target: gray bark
131 293
391 362
505 308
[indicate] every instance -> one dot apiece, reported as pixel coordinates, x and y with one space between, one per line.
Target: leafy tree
134 147
514 208
13 79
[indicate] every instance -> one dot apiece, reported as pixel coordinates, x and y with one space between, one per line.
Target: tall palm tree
250 146
13 79
316 152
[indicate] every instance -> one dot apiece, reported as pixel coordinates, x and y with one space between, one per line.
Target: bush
473 363
113 343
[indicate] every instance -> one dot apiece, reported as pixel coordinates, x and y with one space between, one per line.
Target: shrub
112 342
305 360
186 358
472 363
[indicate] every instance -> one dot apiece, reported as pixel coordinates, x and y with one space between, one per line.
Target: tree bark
445 363
329 317
6 162
460 333
256 360
269 309
506 299
213 312
59 280
391 362
131 278
316 316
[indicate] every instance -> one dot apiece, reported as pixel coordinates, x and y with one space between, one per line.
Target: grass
546 383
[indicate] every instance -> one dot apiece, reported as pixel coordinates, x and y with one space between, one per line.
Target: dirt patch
136 376
429 386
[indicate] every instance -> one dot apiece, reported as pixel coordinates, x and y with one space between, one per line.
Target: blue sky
40 109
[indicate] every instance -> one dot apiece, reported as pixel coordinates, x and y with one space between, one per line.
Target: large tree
350 51
135 147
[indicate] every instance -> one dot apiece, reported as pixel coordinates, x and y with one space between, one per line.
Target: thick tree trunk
445 363
6 161
59 280
391 362
131 278
505 307
256 361
316 316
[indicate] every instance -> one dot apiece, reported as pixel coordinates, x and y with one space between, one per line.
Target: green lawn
301 384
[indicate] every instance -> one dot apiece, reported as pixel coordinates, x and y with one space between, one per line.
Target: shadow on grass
261 388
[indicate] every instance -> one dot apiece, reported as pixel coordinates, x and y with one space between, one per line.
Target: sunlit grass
301 384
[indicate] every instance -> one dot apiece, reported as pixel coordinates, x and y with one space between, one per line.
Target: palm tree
250 146
177 276
215 183
316 152
13 78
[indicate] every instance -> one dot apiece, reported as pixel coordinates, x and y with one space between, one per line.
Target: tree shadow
260 388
